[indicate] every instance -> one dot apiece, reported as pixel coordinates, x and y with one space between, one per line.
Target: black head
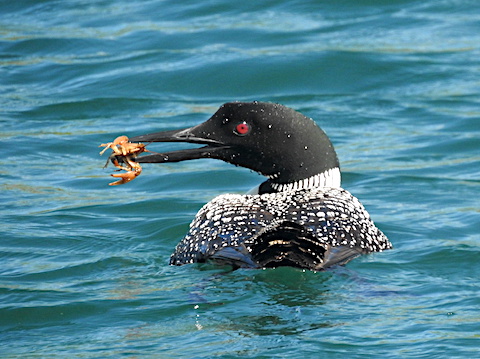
268 138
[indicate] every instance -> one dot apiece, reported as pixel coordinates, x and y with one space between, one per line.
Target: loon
299 217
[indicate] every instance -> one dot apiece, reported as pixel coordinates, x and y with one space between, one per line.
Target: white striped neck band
329 178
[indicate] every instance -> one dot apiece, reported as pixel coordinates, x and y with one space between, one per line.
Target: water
85 270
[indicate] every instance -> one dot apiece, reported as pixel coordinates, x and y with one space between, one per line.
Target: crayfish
123 157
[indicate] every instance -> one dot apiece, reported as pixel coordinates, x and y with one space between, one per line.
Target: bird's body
300 217
299 228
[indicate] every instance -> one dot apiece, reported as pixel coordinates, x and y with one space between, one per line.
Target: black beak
186 135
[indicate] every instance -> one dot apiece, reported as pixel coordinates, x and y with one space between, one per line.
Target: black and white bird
299 217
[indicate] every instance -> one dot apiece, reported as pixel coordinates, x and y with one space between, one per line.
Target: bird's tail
290 244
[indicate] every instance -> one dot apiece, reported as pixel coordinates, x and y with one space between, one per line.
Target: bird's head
271 139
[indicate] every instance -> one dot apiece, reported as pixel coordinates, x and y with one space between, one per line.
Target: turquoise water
395 84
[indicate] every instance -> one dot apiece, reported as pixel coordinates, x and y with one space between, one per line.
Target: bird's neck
328 178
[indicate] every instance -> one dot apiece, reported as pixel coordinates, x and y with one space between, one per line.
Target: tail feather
290 244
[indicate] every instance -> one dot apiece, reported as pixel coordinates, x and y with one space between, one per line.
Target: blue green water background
84 267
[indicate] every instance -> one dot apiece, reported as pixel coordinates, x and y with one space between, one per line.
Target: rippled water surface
85 272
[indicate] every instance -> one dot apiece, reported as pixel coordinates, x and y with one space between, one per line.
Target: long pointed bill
184 135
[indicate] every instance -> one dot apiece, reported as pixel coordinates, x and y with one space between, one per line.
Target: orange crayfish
123 157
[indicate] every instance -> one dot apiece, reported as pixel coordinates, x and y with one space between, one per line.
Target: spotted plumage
231 228
299 217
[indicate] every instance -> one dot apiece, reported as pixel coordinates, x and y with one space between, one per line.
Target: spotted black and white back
312 228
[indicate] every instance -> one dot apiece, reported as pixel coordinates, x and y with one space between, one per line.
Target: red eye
242 129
